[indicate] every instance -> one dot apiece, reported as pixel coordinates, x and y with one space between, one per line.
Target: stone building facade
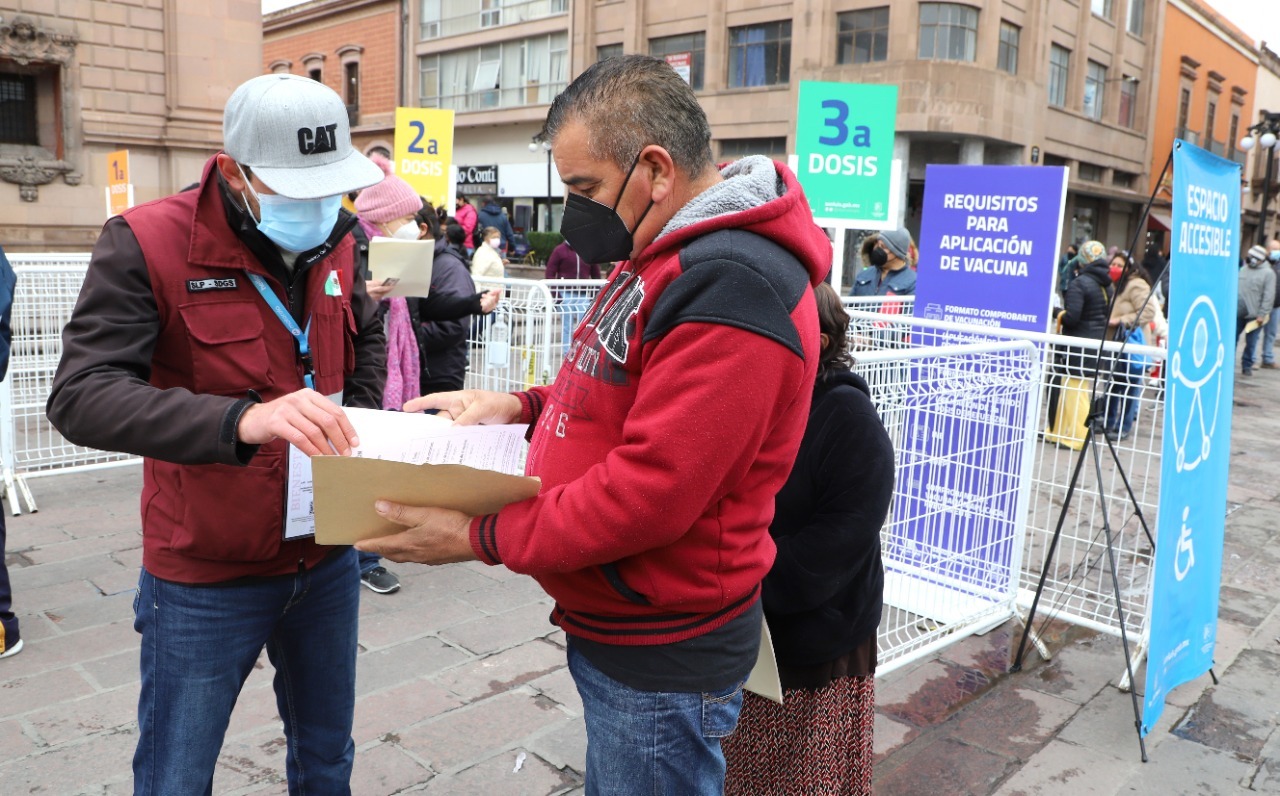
80 79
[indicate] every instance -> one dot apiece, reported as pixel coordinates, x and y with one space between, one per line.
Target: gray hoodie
1257 289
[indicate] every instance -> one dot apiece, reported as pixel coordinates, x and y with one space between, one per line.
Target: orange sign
119 193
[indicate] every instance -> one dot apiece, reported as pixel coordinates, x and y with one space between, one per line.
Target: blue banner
1197 423
989 244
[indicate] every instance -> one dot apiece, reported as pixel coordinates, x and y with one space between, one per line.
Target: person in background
823 595
492 215
1084 315
888 273
10 637
1134 307
1273 323
1066 267
564 263
488 262
185 347
466 216
443 344
1257 296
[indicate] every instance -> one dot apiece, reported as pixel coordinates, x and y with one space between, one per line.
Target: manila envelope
764 678
346 488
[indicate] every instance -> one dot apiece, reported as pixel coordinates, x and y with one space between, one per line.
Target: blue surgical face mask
1274 256
295 225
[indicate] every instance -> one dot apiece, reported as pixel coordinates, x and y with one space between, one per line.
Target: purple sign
989 244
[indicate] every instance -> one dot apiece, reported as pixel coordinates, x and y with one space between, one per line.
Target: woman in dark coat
1086 314
823 596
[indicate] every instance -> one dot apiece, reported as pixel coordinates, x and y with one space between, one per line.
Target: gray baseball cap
293 133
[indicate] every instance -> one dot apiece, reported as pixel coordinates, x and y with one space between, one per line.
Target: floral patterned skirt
817 743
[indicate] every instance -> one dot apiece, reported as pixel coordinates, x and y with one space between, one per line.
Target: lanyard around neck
286 318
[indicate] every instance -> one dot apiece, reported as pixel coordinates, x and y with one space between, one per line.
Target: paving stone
255 712
447 742
118 581
255 759
25 694
966 770
564 746
1266 777
448 579
75 768
14 741
1251 568
389 712
502 671
1014 722
491 634
1231 720
1255 672
1180 767
890 735
932 693
404 662
114 670
60 572
497 776
1244 607
413 619
559 686
67 649
53 597
94 546
90 613
384 769
1065 769
1106 725
1079 670
504 595
67 721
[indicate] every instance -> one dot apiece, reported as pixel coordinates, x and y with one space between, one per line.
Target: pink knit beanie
388 200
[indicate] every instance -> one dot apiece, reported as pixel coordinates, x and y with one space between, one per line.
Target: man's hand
305 419
376 289
489 301
470 407
432 535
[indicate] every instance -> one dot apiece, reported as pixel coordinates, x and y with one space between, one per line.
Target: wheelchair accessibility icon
1195 384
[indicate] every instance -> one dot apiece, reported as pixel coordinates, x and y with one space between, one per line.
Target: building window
429 81
316 74
690 48
1089 172
1184 109
430 27
490 13
760 55
1128 100
948 32
18 110
1095 83
1232 135
1137 10
1008 55
1124 179
1059 70
313 64
862 36
509 74
351 87
734 148
1101 8
1210 118
606 51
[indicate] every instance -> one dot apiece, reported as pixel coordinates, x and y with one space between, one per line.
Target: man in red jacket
672 423
216 328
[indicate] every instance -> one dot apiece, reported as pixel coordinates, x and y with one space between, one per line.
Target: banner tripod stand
1092 425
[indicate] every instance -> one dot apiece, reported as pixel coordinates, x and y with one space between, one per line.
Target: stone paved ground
460 675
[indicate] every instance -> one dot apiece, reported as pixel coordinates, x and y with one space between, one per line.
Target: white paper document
405 264
407 437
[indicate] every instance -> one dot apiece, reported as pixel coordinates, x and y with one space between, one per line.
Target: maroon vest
217 336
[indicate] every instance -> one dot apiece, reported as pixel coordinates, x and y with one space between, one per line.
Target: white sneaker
14 650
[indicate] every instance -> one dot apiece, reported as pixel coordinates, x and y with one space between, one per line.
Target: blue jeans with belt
199 643
641 743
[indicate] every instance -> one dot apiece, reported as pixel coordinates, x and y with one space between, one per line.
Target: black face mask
879 257
596 231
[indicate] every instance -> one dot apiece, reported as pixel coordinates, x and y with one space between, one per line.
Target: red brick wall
372 27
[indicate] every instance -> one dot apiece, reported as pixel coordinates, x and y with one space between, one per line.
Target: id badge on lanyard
286 318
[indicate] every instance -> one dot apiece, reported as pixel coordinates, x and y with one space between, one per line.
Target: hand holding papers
418 460
403 264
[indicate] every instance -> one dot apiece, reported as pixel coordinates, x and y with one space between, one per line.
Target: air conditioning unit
431 30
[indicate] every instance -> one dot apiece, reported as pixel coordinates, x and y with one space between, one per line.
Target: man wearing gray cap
216 328
887 272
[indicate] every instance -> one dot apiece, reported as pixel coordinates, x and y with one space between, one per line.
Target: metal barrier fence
46 292
1078 588
952 542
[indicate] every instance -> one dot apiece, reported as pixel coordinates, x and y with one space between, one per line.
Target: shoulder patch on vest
201 285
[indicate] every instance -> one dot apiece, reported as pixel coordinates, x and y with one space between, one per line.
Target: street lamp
537 143
1264 134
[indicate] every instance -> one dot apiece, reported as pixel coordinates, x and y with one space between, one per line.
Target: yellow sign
424 151
119 195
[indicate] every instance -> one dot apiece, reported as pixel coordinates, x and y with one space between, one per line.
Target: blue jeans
652 742
1122 403
199 643
1250 343
1269 338
369 561
8 622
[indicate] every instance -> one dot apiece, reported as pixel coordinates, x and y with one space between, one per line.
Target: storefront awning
1159 221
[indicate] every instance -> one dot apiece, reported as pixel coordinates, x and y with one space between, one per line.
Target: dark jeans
8 622
1250 343
369 561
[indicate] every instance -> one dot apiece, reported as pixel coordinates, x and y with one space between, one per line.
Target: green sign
844 144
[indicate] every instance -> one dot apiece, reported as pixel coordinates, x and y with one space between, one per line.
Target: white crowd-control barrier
1079 587
46 292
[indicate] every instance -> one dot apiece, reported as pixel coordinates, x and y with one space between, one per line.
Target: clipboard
405 264
764 678
346 488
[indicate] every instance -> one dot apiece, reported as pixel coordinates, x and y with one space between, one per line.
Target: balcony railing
1239 156
485 18
1218 148
1190 136
530 94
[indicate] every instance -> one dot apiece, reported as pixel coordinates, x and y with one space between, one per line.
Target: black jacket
491 215
443 343
823 595
1088 302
